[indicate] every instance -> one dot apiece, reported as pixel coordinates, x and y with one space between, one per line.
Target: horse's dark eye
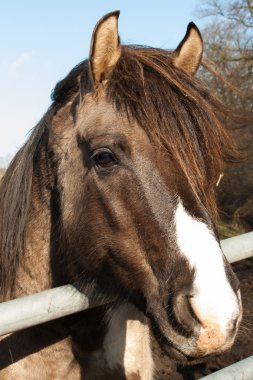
104 159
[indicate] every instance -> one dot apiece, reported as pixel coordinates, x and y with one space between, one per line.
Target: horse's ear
188 54
105 47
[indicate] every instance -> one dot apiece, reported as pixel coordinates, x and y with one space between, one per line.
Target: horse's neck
34 273
113 343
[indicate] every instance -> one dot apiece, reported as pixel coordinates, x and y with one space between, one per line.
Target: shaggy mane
177 111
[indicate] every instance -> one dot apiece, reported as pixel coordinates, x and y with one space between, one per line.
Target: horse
115 189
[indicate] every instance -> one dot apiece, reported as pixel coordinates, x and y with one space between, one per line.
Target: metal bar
238 247
38 308
242 370
65 300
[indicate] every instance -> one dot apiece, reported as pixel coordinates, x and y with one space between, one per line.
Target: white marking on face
214 301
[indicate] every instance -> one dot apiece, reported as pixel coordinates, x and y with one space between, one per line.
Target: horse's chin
180 357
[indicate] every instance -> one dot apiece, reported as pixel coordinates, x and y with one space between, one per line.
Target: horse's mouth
168 346
180 348
175 354
179 356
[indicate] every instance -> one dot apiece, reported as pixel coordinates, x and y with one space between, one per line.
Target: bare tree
228 37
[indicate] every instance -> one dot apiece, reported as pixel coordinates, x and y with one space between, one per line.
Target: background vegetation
228 38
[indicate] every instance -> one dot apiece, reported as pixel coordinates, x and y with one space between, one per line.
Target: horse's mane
171 106
15 190
179 112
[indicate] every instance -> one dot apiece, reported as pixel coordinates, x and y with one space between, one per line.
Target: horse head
136 169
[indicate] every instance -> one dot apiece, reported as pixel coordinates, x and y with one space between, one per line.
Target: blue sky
42 40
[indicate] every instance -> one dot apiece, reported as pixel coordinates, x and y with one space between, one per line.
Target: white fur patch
214 301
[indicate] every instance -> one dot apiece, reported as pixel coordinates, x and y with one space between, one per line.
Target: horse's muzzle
210 331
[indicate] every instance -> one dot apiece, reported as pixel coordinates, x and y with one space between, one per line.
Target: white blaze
213 299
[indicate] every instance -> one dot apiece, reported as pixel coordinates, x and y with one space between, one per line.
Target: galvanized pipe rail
51 304
238 247
38 308
242 370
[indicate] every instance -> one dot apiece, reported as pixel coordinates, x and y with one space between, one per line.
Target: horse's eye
104 159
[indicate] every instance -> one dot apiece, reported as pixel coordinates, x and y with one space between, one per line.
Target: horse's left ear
188 54
105 47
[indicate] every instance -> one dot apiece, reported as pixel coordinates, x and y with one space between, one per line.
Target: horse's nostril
185 314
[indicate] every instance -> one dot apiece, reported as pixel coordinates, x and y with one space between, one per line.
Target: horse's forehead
101 118
94 111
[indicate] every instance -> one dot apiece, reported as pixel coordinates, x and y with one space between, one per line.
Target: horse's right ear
105 47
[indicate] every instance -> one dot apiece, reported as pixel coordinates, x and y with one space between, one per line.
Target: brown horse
115 189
